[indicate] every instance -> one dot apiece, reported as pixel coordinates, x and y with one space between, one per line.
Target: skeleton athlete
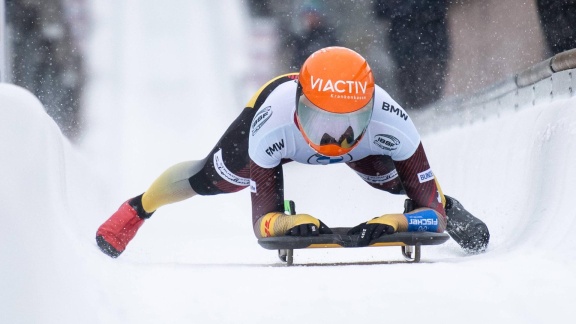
330 112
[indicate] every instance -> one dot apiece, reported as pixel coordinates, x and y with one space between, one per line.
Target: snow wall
514 155
40 260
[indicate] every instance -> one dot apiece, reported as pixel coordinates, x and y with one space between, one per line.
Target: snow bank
518 171
42 266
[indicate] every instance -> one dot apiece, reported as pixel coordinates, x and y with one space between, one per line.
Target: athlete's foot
114 235
468 231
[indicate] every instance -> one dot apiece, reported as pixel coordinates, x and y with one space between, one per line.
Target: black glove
369 232
309 230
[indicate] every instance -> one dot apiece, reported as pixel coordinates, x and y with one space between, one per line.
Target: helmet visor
323 128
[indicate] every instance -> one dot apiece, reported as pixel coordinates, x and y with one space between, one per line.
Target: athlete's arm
267 190
421 185
268 217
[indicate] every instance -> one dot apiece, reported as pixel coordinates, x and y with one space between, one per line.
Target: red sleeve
267 186
418 181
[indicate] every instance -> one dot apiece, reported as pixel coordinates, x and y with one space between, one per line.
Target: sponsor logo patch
422 221
383 178
386 142
260 119
253 186
267 227
276 147
226 174
398 111
425 176
325 160
339 86
423 225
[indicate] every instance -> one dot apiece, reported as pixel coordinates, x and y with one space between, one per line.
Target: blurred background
421 51
45 53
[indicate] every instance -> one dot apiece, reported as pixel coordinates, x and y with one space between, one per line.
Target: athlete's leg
171 186
225 169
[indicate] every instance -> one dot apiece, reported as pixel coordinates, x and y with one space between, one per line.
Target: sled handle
290 207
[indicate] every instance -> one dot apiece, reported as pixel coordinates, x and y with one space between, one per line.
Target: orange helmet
334 100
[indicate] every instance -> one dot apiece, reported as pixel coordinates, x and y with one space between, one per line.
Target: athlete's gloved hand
278 224
376 227
309 229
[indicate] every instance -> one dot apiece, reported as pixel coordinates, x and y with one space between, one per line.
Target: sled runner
410 242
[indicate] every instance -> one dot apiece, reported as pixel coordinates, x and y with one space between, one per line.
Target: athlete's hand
375 228
369 232
310 229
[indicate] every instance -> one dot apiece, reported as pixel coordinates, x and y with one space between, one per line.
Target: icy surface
163 92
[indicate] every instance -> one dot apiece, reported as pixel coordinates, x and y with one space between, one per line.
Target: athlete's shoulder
272 129
262 94
386 108
391 130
